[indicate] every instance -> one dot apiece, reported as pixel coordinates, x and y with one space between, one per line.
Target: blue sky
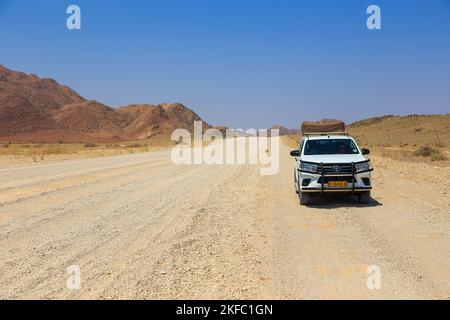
240 63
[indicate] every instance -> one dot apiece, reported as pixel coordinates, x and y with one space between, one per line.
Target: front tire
305 198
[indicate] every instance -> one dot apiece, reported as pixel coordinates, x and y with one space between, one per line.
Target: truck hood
334 158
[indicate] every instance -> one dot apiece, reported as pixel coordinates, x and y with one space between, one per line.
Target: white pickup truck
331 162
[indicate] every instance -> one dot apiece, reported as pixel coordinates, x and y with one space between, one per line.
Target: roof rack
307 134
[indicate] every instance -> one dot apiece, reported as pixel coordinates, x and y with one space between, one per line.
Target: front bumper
318 182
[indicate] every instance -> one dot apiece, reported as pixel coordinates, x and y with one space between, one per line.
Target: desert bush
427 151
54 149
136 145
438 157
90 145
437 141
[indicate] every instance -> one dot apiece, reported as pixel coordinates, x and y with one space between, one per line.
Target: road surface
140 227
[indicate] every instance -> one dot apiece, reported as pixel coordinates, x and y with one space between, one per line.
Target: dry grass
12 153
432 153
36 149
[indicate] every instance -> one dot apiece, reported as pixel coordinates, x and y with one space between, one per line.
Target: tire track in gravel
81 221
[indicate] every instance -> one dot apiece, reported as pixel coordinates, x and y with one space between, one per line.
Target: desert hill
27 102
42 110
412 130
143 121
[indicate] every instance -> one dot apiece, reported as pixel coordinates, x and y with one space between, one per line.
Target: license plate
337 184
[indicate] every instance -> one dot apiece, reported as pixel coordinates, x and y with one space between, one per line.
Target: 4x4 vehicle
331 162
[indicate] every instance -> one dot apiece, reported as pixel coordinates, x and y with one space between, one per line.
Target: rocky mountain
42 110
285 131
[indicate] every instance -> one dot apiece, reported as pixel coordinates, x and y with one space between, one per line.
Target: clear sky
240 63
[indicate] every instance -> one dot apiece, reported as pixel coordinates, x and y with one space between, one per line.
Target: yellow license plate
337 184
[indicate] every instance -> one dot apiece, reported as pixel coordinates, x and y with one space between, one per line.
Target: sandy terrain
140 227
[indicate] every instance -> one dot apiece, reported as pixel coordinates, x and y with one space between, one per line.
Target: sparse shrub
53 149
438 157
424 151
438 142
136 145
90 145
427 151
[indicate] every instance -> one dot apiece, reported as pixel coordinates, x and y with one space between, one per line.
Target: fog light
366 181
306 182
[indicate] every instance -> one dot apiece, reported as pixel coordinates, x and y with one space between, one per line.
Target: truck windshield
330 146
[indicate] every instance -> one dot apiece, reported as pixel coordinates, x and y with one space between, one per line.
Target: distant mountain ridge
283 131
33 109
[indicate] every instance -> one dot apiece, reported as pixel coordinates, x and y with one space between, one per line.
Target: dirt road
140 227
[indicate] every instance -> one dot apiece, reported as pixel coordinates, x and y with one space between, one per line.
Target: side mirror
295 153
365 151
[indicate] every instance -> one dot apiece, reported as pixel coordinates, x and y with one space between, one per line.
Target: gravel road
140 227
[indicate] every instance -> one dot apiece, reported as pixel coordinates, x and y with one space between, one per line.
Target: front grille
340 178
337 168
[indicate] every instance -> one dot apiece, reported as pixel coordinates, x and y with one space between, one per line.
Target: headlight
308 167
363 166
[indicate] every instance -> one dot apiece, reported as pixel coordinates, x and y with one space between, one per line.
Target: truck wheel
364 197
305 198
